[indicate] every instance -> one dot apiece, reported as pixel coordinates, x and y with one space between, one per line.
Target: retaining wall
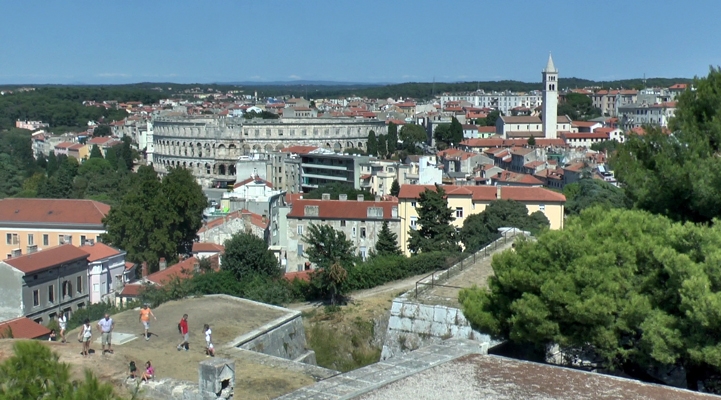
284 338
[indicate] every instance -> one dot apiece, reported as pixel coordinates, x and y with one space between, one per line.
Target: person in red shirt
183 330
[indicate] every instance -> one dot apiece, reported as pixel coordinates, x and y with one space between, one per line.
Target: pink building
107 271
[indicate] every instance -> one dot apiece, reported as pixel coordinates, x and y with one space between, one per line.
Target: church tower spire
550 99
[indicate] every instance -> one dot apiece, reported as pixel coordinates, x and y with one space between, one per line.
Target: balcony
324 166
326 177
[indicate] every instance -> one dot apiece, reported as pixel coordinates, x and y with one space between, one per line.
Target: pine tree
531 141
387 243
95 152
112 156
395 188
382 146
52 165
372 144
392 138
434 231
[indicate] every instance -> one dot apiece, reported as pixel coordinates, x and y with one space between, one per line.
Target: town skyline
343 42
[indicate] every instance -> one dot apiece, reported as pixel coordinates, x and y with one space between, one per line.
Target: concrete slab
119 338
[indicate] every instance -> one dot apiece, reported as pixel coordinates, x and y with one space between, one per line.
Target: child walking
209 350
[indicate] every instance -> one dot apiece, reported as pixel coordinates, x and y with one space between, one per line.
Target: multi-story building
30 225
319 169
259 197
637 115
469 200
378 176
107 272
359 220
210 145
502 101
43 284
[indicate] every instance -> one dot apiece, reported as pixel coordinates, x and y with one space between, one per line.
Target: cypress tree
372 144
392 139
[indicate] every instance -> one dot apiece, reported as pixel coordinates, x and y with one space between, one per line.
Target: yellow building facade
469 200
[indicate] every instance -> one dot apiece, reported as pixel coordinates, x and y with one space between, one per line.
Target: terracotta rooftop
488 193
341 209
47 258
252 180
500 142
99 251
23 328
508 176
299 149
53 211
302 275
182 270
207 248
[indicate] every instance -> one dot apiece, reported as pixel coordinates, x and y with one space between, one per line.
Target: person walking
145 314
183 330
63 323
105 326
87 333
209 350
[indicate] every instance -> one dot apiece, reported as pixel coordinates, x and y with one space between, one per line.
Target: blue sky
53 41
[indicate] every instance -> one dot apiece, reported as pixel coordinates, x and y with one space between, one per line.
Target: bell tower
550 99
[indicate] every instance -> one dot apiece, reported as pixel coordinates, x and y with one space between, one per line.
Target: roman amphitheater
210 146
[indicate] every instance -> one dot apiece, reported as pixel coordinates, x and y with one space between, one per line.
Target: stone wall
284 338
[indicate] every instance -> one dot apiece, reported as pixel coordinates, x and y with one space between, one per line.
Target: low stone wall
284 338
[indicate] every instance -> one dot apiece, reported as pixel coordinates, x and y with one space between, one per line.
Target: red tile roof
99 251
594 135
341 209
487 129
23 328
488 193
53 211
182 270
299 149
207 248
499 142
47 258
508 176
583 124
100 140
131 290
63 145
302 275
252 180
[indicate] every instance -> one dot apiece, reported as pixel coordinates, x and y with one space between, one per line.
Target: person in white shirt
105 326
209 350
63 323
87 333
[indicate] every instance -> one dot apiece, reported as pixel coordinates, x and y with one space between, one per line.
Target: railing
443 275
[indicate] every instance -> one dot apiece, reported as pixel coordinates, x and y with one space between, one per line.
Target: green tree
434 231
34 372
411 135
578 107
102 130
11 177
95 152
141 223
531 141
247 255
335 190
382 146
32 185
607 146
442 135
52 165
593 192
372 143
392 138
395 188
126 152
61 184
186 201
636 289
491 118
333 255
480 229
111 155
455 131
387 243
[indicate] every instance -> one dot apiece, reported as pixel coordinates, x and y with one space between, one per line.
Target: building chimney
343 197
500 175
325 196
162 264
144 269
361 197
498 192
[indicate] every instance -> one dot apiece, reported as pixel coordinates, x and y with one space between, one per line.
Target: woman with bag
85 334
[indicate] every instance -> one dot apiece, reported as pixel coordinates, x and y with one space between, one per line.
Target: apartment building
30 225
43 284
469 200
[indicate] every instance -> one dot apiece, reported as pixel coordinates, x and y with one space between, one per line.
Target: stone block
425 312
464 332
410 310
439 314
461 319
451 314
454 330
421 326
396 308
394 323
439 330
406 324
215 375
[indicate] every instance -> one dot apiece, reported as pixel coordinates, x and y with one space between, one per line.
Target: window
300 229
31 239
51 294
12 238
413 204
36 298
96 287
82 240
342 223
414 220
354 232
46 240
79 285
363 232
459 212
61 239
542 207
280 132
300 250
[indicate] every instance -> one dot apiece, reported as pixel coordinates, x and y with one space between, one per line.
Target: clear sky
92 41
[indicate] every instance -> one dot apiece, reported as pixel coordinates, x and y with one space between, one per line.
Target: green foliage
578 107
60 185
490 119
636 288
455 132
334 256
531 141
608 146
678 175
382 269
95 152
434 231
10 176
147 223
35 372
392 138
395 188
186 201
481 229
94 312
442 136
351 350
102 130
247 255
387 243
263 115
335 189
411 135
372 143
593 192
382 146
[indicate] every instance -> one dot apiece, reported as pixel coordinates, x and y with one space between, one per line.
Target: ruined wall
284 338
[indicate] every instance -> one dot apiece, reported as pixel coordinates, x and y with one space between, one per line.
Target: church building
548 125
